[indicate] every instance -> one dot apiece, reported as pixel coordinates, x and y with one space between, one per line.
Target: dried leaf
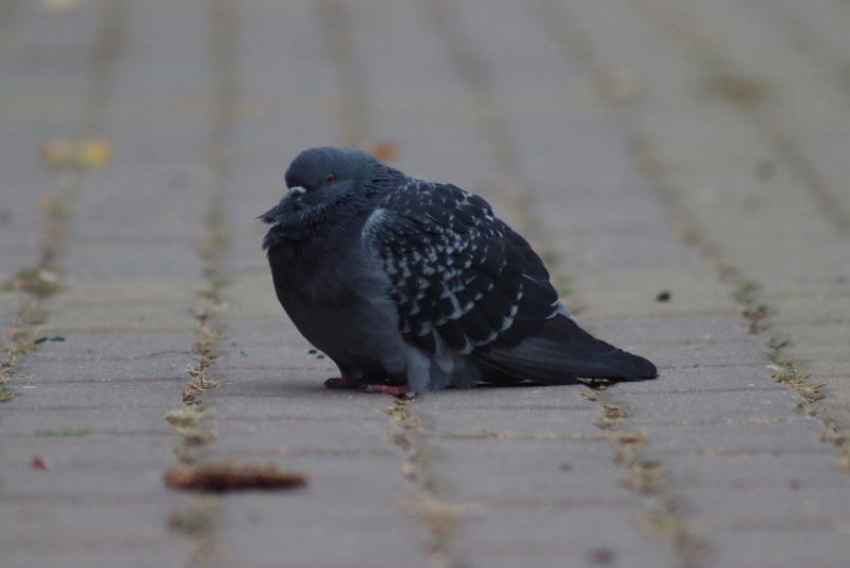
384 150
86 154
231 477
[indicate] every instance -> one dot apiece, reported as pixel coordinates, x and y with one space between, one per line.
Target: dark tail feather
561 352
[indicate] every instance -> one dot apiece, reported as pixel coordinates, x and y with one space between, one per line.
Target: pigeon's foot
401 391
340 383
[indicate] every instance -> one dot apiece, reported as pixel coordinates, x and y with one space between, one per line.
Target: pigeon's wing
459 276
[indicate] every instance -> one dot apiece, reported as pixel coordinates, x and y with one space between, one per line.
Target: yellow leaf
85 154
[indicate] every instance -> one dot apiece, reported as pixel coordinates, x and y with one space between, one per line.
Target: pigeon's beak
272 214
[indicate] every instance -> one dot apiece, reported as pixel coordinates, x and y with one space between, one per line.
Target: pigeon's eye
330 180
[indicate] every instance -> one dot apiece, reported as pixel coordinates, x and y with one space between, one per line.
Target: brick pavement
644 146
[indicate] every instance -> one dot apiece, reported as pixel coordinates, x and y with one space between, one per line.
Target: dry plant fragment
218 478
201 383
443 519
384 150
196 519
185 417
38 282
85 154
193 437
6 394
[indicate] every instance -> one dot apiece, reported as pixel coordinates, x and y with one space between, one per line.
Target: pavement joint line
717 366
698 390
76 545
83 407
753 421
370 453
137 302
749 484
40 282
554 504
719 452
746 292
622 437
296 418
646 475
118 330
94 433
160 109
81 498
805 41
602 316
198 521
441 516
808 526
351 104
728 81
151 355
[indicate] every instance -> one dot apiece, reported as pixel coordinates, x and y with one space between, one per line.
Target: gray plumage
404 281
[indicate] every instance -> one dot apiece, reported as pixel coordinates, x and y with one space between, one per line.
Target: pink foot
401 391
339 383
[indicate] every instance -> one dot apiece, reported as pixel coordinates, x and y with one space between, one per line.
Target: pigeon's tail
560 353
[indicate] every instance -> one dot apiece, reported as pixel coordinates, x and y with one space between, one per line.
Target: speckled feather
456 270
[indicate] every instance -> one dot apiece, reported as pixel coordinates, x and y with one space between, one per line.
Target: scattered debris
39 462
218 478
602 556
663 296
6 394
45 339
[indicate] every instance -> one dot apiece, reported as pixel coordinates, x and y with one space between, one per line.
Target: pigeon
412 286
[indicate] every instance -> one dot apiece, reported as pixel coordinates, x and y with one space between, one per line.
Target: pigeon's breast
339 304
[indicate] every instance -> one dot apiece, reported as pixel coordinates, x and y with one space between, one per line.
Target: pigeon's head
321 183
320 170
